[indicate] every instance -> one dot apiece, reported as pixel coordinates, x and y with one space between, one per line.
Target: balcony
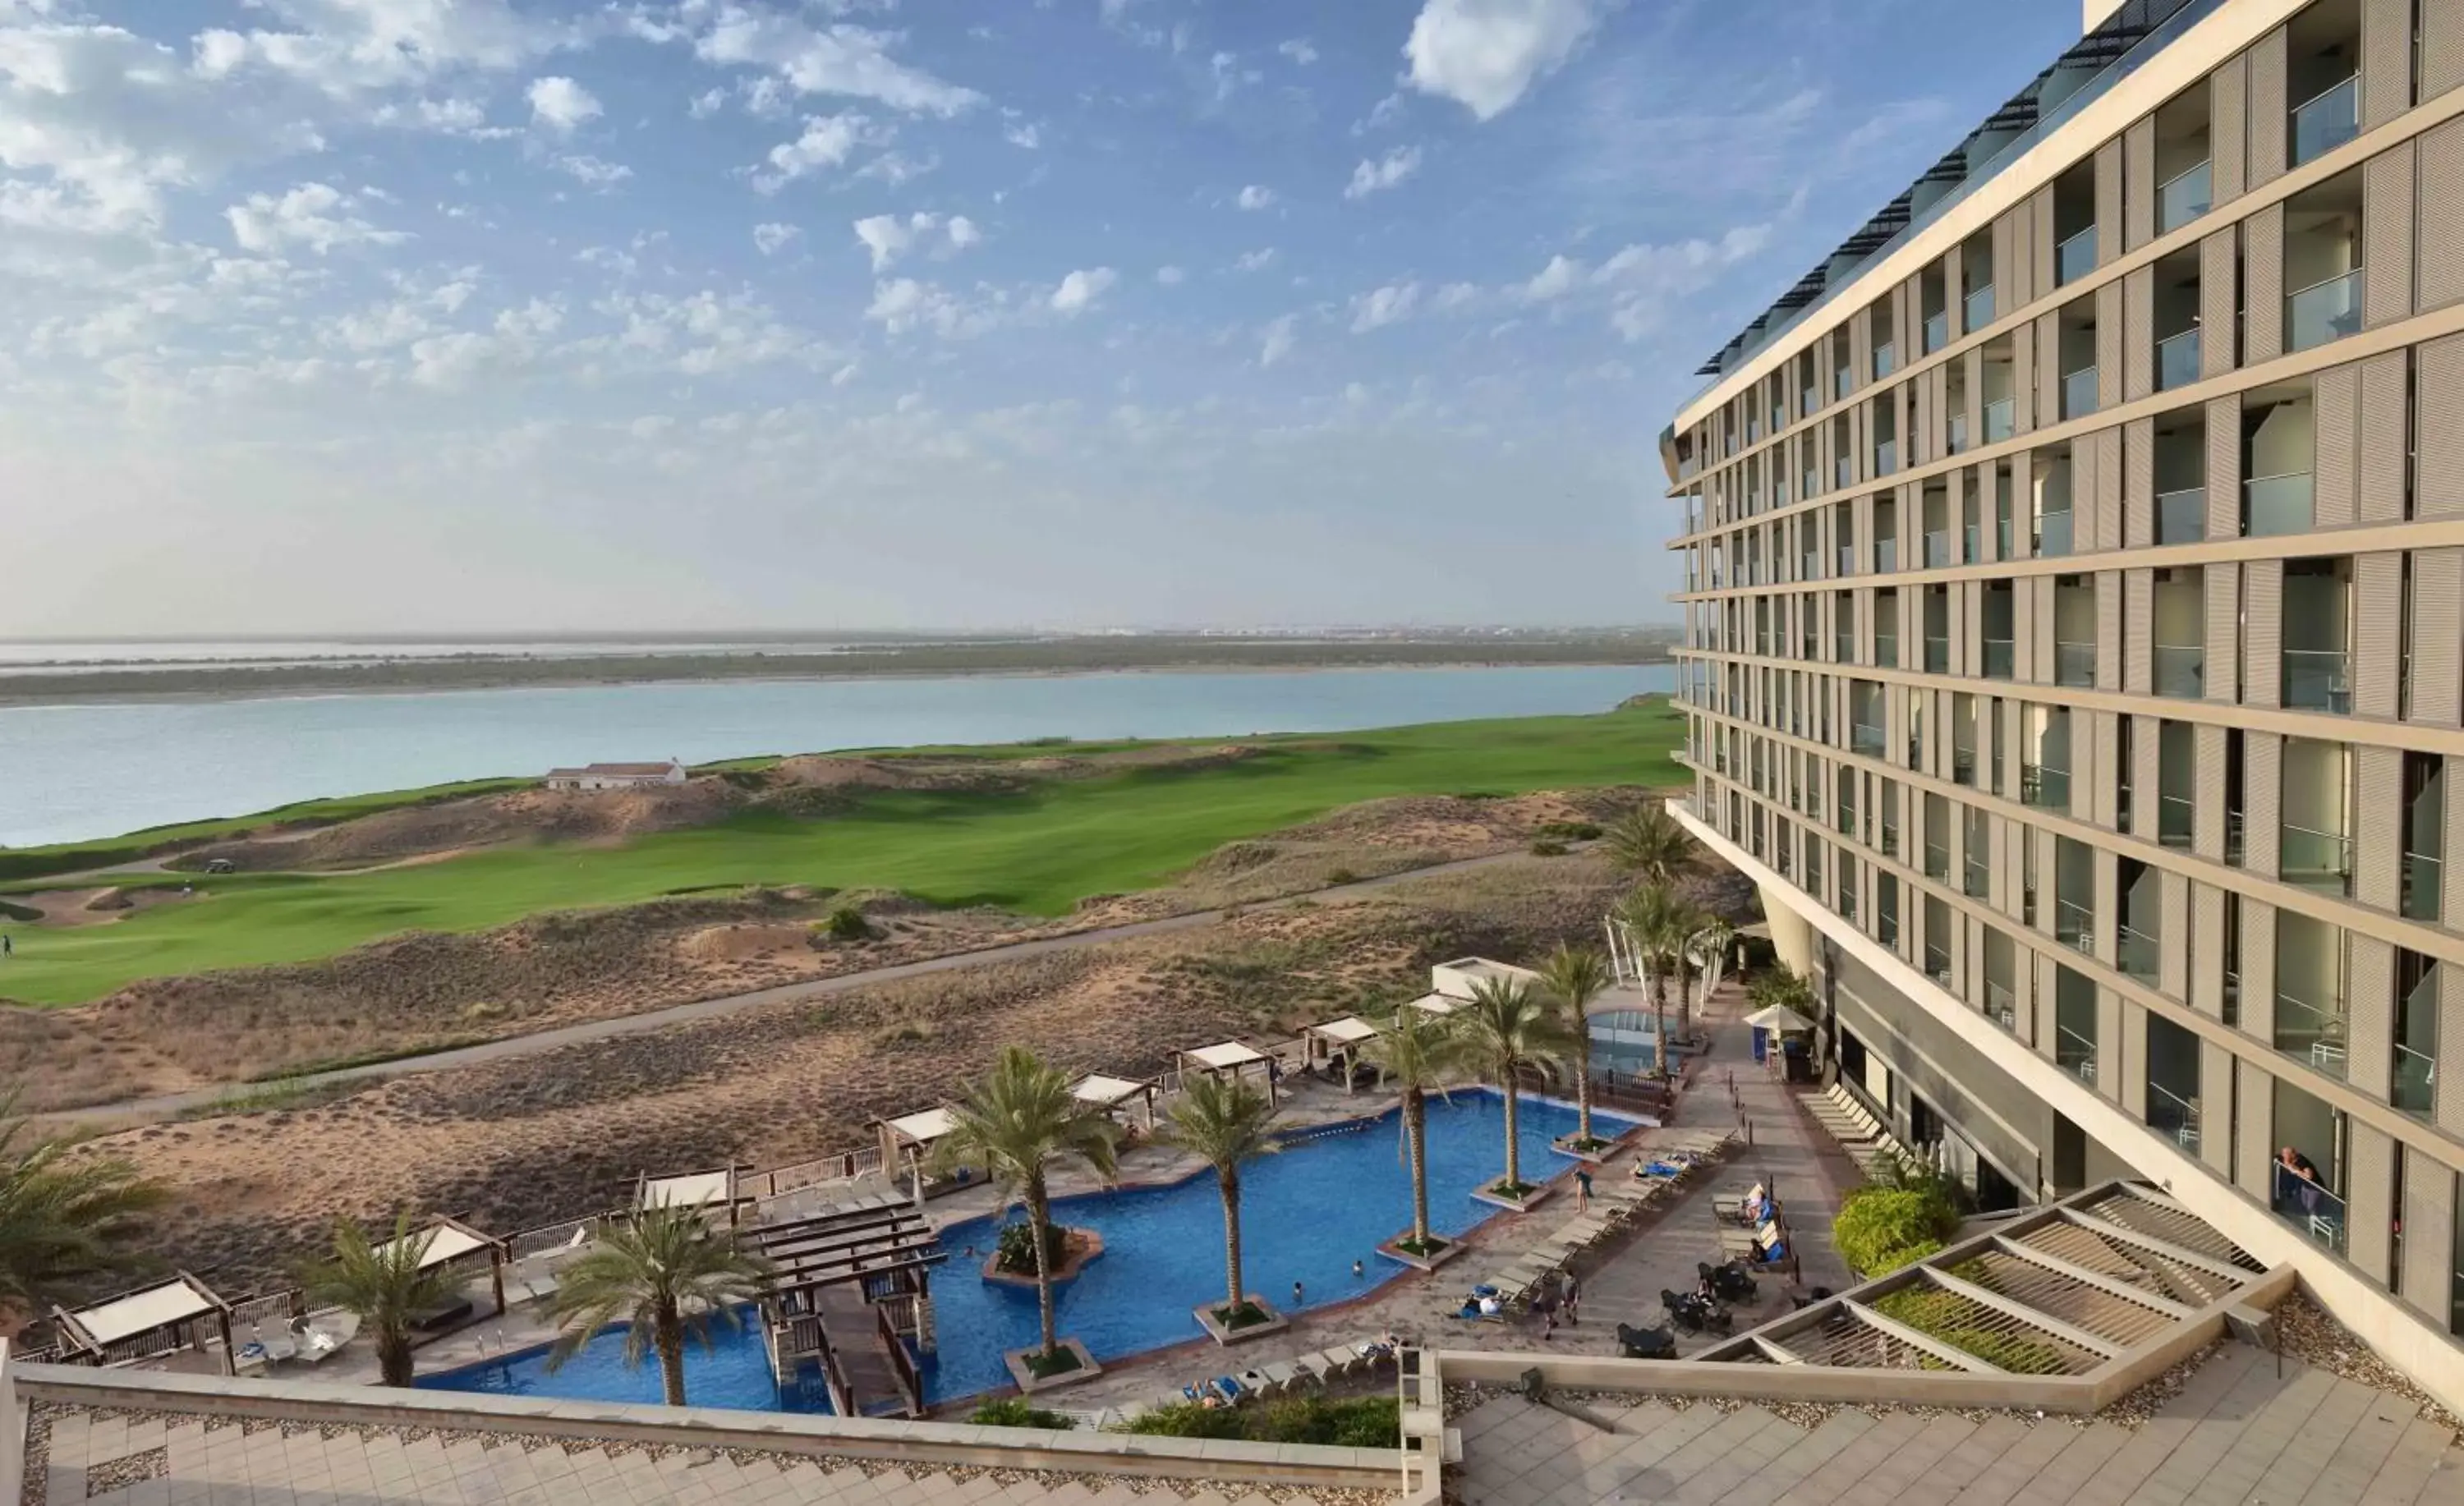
2316 860
2177 360
2001 420
1865 738
2078 392
2169 1113
1937 965
2318 680
2074 926
1843 646
2185 197
1842 383
2232 838
2176 817
2323 312
1843 471
1886 360
2182 516
2421 892
2180 672
2002 536
2075 665
2308 1033
1976 310
2053 533
1936 655
1887 650
2075 1054
1937 331
2308 1206
2275 505
2047 789
1847 563
2328 120
1997 659
1887 555
2138 953
1937 549
1886 456
1957 439
2413 1085
2075 257
1968 552
1890 844
1999 1007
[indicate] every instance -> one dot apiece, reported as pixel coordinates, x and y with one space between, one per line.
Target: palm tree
1709 951
1420 1053
385 1285
1020 1120
1777 984
1505 1028
665 1273
1659 925
64 1219
1574 976
1224 1122
1649 843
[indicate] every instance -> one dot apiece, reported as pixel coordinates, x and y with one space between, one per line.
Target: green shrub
1882 1229
19 912
1342 876
1950 1317
1366 1422
1569 831
847 923
1189 1420
1017 1247
1548 847
1013 1412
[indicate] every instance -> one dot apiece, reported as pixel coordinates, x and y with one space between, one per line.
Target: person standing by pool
1582 1190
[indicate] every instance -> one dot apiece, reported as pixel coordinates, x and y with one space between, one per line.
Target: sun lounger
1280 1374
1338 1362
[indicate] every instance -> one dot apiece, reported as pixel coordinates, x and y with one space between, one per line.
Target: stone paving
2236 1432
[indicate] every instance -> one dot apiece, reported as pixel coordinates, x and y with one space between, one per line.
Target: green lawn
1040 851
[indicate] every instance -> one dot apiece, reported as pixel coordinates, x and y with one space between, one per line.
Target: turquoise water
1307 1214
77 771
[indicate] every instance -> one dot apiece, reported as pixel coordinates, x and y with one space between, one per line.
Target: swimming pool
735 1372
1306 1216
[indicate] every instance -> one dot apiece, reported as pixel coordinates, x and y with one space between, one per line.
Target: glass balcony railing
1937 965
2177 360
1937 330
2182 516
2412 1087
2328 120
2181 672
1842 383
2318 680
1890 841
1866 739
1997 659
1843 646
2185 197
1843 471
2176 819
2053 533
2421 892
2169 1113
2046 788
1937 861
2138 953
1976 310
2075 1053
1847 559
2308 1206
2078 392
1968 552
2323 312
1887 555
2075 257
1999 1006
1937 549
2274 505
2075 665
1886 360
1887 650
2002 536
1956 439
1886 456
2314 859
2074 926
2310 1033
1810 483
2001 420
1936 655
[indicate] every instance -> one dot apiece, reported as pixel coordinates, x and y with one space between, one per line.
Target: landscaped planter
1532 1196
1079 1246
1218 1330
1445 1251
1601 1148
1034 1384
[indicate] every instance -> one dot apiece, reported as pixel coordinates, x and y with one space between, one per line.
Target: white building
616 775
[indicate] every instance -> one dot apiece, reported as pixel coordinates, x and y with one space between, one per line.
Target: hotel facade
2073 574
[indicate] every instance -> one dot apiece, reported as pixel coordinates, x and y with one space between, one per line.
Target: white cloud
1484 53
560 104
1257 196
1170 276
1376 177
903 303
314 215
598 172
1383 306
1023 135
1385 112
1554 281
1254 261
1299 50
827 143
1276 341
770 237
840 59
1079 291
515 340
707 103
888 237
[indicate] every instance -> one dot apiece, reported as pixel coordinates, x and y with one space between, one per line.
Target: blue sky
417 314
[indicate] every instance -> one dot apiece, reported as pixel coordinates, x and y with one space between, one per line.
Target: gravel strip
2309 1335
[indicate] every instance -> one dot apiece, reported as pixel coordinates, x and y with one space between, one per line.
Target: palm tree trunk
1416 1118
1039 1217
393 1356
1229 1181
1513 1141
1685 998
668 1332
1659 1008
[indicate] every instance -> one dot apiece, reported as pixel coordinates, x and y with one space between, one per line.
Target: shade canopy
175 1301
692 1190
1227 1054
1433 1004
1778 1017
1350 1030
447 1239
922 1128
1108 1092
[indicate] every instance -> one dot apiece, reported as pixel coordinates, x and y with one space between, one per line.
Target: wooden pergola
1340 1038
908 1140
847 1245
172 1307
708 1191
1232 1057
1114 1095
452 1242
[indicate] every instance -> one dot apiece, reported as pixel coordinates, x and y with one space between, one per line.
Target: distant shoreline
1008 661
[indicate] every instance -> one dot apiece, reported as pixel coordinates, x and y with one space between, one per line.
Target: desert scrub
847 923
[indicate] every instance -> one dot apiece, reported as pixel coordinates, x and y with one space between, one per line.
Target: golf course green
1040 849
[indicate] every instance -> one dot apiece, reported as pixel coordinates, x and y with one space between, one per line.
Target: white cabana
710 1191
1339 1038
1778 1017
171 1308
1438 1004
1231 1057
908 1139
449 1239
1112 1095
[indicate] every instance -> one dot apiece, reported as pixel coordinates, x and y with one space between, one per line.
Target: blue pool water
1307 1214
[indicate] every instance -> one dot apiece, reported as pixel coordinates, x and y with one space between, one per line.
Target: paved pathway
162 1106
2236 1435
